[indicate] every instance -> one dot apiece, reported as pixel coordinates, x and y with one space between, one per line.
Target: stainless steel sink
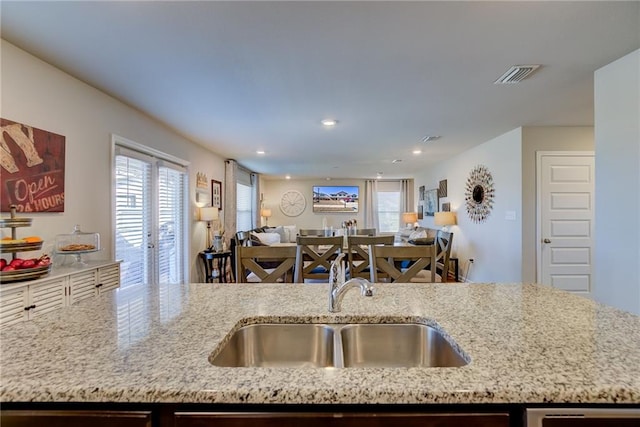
363 345
405 345
279 345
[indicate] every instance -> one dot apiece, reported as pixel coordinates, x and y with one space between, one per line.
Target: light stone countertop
527 343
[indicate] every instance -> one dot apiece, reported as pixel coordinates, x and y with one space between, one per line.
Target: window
243 202
389 211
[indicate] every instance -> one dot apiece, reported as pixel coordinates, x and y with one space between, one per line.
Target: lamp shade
409 217
444 218
209 214
266 212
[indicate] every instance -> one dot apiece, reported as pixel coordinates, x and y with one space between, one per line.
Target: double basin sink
328 345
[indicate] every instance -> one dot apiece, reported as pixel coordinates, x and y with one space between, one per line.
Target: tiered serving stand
14 247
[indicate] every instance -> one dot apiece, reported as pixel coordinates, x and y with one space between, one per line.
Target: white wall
617 145
534 139
495 245
274 189
39 95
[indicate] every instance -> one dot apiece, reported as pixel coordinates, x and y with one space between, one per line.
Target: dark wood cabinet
73 418
315 419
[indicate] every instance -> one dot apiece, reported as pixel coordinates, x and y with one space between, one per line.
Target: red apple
16 262
8 268
29 263
3 263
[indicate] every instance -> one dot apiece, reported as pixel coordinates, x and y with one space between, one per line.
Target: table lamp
445 219
266 214
410 218
209 214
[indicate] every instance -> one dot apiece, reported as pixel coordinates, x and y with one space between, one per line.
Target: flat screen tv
336 198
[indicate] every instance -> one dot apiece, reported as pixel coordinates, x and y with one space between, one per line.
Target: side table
215 265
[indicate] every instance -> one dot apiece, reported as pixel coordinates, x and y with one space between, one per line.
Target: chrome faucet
338 287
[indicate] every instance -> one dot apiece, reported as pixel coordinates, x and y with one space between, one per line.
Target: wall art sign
479 194
32 168
202 189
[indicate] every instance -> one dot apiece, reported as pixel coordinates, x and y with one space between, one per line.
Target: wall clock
292 203
479 194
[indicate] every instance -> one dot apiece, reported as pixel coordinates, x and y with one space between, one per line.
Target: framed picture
216 194
442 188
430 202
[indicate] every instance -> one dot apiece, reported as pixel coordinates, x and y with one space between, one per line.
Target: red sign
32 168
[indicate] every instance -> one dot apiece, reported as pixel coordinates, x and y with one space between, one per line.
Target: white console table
62 287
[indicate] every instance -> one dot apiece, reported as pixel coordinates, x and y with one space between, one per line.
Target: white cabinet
82 286
63 287
108 278
13 305
47 296
19 303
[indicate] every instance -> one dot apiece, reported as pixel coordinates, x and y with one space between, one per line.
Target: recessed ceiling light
329 122
417 151
429 138
260 152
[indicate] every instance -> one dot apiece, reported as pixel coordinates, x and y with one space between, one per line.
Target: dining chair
266 264
310 232
314 256
442 255
402 263
366 232
358 253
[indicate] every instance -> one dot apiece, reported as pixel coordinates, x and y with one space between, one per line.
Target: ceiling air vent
516 74
430 138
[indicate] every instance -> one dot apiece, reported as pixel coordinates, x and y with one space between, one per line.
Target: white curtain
229 196
371 204
255 185
406 196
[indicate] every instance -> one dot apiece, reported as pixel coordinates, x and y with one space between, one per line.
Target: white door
566 220
150 218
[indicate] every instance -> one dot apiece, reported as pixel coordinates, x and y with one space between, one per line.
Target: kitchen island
527 345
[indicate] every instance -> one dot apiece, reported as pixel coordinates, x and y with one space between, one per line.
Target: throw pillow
418 234
280 231
293 232
268 238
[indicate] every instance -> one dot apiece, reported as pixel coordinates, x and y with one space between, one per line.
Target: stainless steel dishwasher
583 417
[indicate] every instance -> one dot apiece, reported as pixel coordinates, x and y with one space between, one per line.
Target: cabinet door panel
47 296
12 305
204 419
82 286
75 418
109 277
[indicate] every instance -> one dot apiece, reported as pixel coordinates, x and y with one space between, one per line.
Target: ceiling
244 76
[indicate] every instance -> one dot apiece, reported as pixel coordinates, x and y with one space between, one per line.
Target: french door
149 211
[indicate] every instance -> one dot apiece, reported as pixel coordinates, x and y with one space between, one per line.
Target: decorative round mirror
479 194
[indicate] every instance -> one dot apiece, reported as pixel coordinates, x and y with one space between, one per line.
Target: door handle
547 240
